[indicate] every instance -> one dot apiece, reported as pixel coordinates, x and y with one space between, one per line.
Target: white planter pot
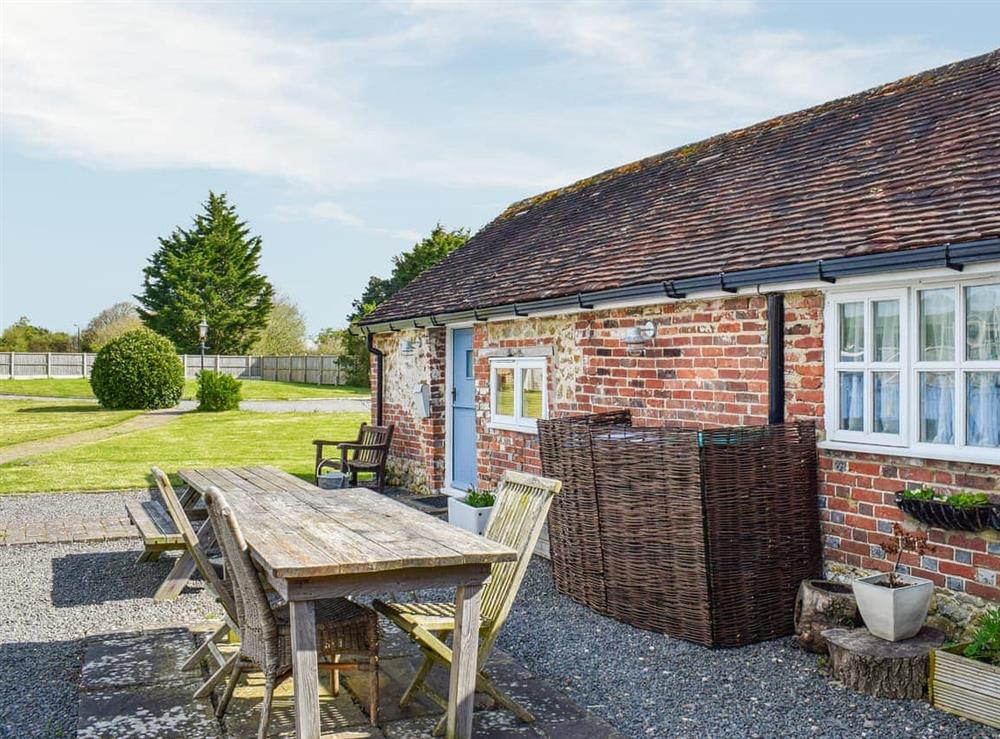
468 517
893 614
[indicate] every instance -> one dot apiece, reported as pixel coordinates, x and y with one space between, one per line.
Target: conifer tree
210 271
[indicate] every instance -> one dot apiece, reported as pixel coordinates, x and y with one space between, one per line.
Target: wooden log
881 668
822 605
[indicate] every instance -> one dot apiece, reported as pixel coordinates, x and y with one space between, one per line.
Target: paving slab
394 676
339 715
150 658
485 725
149 712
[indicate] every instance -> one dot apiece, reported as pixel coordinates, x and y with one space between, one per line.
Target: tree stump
881 668
822 605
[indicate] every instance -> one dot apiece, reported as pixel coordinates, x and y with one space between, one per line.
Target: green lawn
193 440
30 420
252 389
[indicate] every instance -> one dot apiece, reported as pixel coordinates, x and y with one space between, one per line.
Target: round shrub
138 370
218 391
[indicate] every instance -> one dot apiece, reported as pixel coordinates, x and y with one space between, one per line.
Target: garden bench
368 453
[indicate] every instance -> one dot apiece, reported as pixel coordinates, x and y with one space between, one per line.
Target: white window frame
517 422
907 442
867 366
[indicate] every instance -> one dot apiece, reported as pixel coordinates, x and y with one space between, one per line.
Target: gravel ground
308 405
66 506
649 685
51 597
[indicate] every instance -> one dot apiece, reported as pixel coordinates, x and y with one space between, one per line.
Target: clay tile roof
909 164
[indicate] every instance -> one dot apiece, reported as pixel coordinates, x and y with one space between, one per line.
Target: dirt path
150 420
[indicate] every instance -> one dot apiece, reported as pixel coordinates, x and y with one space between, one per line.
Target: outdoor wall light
637 337
406 346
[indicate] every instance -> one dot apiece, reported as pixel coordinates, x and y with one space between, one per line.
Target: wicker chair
368 453
521 507
221 590
346 633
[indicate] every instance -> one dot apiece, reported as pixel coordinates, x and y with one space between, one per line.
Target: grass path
252 389
52 444
119 458
24 421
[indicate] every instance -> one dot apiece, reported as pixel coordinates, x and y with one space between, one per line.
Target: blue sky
345 131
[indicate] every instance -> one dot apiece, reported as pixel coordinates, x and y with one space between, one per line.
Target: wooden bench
157 529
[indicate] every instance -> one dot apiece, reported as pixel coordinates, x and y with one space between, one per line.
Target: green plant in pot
894 605
965 511
472 513
965 678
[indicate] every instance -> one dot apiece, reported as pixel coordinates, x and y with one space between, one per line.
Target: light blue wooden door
463 411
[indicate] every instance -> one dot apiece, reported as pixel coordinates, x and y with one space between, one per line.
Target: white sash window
518 393
916 370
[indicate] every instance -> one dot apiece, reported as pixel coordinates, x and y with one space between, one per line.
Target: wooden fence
315 369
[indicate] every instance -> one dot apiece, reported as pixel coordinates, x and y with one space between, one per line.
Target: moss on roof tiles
922 79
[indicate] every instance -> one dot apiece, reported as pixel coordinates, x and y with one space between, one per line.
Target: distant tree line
211 271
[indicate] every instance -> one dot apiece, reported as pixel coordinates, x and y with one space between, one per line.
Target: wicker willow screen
574 524
703 535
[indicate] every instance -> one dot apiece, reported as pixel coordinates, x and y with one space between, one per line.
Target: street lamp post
202 335
79 345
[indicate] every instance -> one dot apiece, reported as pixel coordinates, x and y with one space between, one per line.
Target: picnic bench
156 528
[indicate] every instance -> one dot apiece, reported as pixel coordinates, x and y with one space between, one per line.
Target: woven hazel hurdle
574 523
702 535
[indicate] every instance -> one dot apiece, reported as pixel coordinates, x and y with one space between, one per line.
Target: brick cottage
840 264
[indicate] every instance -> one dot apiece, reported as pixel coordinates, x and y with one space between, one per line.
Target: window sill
974 456
519 428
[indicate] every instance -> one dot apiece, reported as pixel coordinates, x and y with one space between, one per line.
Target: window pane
503 405
531 392
937 325
982 409
886 339
468 363
937 407
982 322
886 394
852 401
852 332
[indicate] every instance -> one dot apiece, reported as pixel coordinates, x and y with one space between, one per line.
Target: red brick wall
857 490
857 507
707 366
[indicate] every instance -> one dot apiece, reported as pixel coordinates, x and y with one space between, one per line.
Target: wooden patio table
312 544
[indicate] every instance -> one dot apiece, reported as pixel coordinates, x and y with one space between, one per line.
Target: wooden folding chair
195 558
521 507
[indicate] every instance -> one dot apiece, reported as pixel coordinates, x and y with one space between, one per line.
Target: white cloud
321 211
572 87
329 211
